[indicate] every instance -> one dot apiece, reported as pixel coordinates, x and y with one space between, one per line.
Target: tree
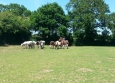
16 9
49 19
111 22
111 25
11 25
2 7
14 23
86 16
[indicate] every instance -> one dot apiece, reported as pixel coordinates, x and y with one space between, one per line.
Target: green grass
84 64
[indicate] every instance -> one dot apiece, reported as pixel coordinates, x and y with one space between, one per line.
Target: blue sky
35 4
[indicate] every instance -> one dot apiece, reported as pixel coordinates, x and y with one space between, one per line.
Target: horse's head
21 44
37 43
60 40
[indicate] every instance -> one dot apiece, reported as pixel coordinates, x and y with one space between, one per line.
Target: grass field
85 64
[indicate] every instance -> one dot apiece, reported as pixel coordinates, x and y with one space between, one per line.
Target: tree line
88 22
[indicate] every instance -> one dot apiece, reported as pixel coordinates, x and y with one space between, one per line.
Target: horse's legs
67 46
26 46
63 46
51 46
39 46
56 45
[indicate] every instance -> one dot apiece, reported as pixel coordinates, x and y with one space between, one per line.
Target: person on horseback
64 38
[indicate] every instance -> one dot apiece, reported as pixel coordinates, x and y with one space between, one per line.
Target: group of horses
31 44
61 43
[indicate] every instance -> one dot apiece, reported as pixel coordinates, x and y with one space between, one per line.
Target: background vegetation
88 22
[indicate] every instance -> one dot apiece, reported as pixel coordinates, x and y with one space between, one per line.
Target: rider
63 38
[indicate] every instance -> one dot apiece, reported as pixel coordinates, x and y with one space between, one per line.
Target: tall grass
84 64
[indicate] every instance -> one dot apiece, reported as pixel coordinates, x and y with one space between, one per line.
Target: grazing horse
57 44
41 44
28 44
37 43
64 42
52 44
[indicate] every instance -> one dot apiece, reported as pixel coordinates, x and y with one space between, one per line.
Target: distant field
85 64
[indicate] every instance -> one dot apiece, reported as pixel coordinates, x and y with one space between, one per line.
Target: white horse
28 44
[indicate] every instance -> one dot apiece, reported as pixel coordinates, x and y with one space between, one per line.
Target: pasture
85 64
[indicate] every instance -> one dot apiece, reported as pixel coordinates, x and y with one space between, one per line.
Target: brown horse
55 44
64 42
52 44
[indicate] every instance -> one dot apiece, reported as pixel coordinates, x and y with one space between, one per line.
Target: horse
64 42
28 44
41 44
58 44
52 44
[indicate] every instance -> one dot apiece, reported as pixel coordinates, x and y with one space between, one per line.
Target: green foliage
111 25
16 9
87 15
8 22
62 31
111 22
49 17
50 21
13 27
44 31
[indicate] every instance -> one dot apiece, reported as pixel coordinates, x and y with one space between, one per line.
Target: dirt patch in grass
46 71
84 70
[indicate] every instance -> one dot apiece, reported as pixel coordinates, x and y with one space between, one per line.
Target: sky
35 4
